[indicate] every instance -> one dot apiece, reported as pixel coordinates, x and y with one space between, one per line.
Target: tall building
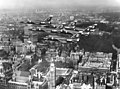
52 76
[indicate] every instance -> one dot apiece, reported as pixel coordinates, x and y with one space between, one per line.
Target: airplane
71 26
69 21
46 22
93 30
70 29
63 27
38 29
57 29
72 32
74 38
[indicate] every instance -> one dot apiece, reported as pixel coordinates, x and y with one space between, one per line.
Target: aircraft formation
72 29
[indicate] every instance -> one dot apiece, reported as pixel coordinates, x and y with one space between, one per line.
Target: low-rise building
94 65
20 80
99 60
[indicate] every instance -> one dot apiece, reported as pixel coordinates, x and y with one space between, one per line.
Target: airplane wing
72 32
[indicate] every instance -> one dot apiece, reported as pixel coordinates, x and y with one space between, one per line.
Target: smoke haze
56 3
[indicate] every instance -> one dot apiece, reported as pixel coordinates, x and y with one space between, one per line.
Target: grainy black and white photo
59 44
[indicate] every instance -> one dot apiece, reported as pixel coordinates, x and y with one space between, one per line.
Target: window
0 70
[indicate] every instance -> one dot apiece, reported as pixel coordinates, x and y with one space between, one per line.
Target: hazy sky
54 3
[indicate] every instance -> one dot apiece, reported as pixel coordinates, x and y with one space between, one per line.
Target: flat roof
63 71
98 60
19 83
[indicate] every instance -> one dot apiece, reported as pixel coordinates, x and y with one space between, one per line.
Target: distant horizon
14 4
63 7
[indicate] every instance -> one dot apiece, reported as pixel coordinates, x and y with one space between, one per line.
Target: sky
55 3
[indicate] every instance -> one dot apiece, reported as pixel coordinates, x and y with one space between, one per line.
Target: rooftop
22 76
97 60
42 67
63 71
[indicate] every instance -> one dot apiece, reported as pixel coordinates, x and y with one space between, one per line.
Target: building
27 31
52 76
34 37
94 66
118 64
99 60
76 57
20 80
51 53
58 76
38 81
5 72
64 72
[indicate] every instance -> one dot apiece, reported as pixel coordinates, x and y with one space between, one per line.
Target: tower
52 76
